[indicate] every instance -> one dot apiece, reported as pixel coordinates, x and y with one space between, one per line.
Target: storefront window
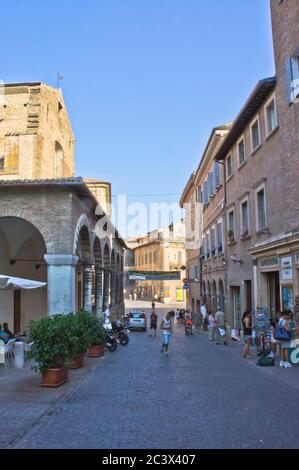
287 298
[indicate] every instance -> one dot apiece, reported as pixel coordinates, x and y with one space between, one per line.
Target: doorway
236 301
273 293
17 312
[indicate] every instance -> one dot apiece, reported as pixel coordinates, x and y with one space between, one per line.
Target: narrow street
201 396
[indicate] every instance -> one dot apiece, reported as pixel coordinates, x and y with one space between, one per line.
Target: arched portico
22 251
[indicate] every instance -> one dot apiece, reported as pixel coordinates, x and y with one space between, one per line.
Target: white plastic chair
8 352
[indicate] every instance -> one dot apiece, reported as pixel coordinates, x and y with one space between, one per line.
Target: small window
241 151
255 135
213 240
261 209
1 163
231 226
220 237
271 116
244 219
208 245
229 166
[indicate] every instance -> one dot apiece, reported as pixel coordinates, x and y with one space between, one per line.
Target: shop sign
266 262
286 268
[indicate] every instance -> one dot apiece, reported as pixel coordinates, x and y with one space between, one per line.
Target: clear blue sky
144 80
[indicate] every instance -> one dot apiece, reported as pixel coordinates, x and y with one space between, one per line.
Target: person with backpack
167 327
283 335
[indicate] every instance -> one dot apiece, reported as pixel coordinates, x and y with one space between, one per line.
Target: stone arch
204 292
23 250
97 252
28 216
214 296
106 256
82 222
221 300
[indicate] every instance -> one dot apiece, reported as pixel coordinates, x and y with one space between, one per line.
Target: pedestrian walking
221 336
177 314
205 322
167 327
283 334
153 321
247 333
212 326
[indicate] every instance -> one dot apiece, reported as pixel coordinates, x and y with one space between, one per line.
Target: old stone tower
36 138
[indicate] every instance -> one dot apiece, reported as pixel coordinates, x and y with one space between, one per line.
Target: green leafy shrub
80 324
53 342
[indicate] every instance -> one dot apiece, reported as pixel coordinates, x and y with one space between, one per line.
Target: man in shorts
154 320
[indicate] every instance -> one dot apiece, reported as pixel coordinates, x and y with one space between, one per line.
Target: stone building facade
189 203
162 250
260 188
53 227
204 200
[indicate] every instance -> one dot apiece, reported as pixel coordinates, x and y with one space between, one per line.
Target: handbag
281 334
222 331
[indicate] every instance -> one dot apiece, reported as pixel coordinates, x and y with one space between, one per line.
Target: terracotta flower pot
78 361
96 351
54 377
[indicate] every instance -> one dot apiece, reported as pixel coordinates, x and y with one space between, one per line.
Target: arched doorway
221 295
22 251
204 295
107 271
97 278
84 270
214 305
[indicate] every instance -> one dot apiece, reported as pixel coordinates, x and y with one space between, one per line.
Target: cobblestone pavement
201 396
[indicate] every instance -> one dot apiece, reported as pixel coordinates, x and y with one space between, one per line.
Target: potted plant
52 349
78 326
97 338
244 233
231 236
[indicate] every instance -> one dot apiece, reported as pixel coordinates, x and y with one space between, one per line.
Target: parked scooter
121 332
110 337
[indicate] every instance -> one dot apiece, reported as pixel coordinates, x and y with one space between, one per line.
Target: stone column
61 283
87 287
113 288
99 291
117 294
106 288
121 288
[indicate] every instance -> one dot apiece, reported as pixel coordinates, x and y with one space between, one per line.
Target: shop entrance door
273 293
236 298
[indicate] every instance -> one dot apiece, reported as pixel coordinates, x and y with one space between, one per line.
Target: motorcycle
110 337
121 332
111 341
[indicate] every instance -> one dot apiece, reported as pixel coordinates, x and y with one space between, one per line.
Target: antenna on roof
59 79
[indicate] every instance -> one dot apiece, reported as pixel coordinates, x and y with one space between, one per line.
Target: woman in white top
167 327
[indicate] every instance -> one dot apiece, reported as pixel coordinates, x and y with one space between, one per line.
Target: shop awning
9 282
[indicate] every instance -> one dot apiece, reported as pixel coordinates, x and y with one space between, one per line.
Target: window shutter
217 175
210 184
288 80
205 193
